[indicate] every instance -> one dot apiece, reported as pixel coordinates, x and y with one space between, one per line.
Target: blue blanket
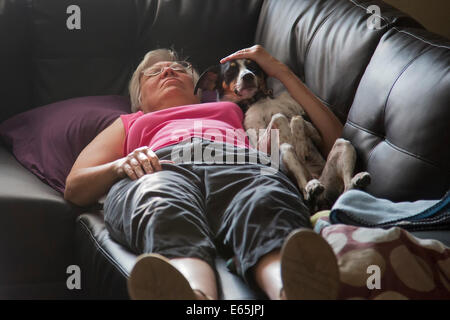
359 208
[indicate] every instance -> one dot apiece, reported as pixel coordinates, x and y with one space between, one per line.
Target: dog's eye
231 72
232 68
253 66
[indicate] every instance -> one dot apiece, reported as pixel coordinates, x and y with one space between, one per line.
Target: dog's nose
248 77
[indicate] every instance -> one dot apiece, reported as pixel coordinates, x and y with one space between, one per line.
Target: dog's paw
313 189
361 180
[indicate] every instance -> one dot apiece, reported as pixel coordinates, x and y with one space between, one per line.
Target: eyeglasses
179 66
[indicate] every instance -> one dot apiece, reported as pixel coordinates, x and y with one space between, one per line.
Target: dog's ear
209 80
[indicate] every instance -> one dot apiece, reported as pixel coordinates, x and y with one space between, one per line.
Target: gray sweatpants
195 210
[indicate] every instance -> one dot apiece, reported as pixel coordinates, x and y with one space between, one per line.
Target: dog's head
241 81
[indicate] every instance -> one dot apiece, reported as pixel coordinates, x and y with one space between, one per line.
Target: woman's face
168 89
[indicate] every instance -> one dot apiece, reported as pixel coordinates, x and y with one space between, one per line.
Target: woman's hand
271 66
139 162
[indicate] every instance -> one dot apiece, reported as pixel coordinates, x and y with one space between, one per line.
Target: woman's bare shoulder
105 147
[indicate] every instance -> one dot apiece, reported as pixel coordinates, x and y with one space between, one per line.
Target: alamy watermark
74 279
73 22
222 149
374 280
374 21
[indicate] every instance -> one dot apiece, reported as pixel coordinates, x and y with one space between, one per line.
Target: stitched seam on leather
293 51
314 36
364 129
413 155
416 37
370 132
106 254
392 145
396 80
374 14
371 153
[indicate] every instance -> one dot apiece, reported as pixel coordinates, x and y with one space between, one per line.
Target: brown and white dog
242 81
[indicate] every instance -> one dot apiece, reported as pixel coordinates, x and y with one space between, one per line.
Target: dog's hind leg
313 134
295 168
299 141
346 160
360 181
339 166
288 153
299 130
337 175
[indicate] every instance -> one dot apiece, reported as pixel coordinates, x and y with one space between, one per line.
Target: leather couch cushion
106 264
326 42
399 120
36 227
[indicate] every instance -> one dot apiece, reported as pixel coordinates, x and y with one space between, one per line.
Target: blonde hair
150 59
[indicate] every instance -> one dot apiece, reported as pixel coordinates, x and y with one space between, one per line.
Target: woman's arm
94 172
101 164
328 125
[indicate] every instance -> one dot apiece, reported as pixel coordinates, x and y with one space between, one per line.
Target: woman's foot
309 268
154 278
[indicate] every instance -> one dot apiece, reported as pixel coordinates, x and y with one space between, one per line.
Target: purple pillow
47 140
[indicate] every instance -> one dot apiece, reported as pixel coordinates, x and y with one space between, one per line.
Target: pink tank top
216 121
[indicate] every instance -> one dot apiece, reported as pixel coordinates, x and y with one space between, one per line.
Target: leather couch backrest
400 117
326 42
42 61
15 59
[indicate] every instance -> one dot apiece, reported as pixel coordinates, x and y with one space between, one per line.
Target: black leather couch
389 85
